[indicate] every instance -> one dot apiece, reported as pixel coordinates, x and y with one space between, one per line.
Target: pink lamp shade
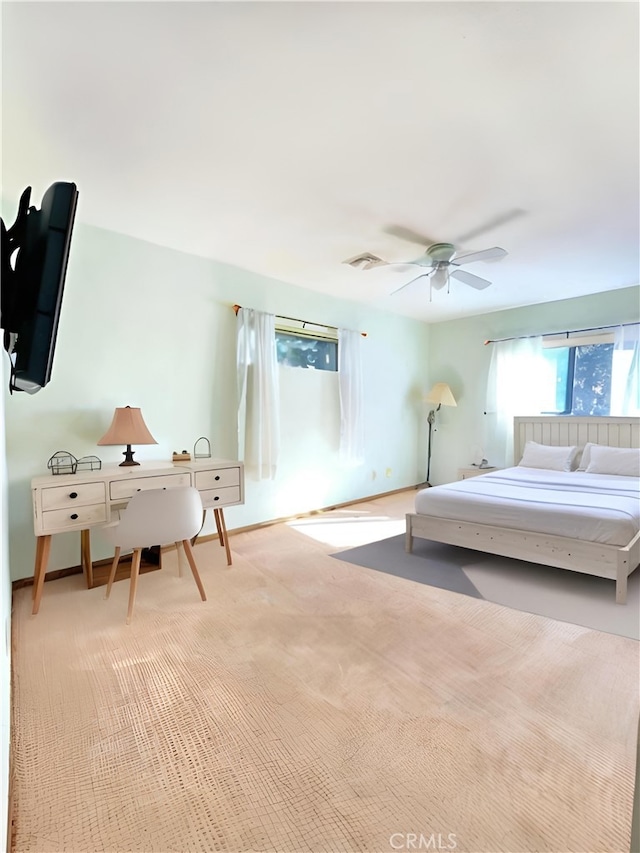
127 427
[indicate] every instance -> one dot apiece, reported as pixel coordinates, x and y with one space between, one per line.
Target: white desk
69 502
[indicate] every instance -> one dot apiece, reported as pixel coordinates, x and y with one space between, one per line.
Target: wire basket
89 463
63 462
202 453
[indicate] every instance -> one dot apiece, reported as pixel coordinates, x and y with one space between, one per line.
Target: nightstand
474 471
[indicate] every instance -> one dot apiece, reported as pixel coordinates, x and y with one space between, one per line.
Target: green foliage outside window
582 377
306 351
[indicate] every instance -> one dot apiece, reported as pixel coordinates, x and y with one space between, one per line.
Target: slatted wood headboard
568 429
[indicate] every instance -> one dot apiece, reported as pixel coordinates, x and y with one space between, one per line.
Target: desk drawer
61 496
125 488
59 520
220 497
217 478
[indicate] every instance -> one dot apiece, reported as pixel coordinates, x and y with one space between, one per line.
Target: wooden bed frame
605 561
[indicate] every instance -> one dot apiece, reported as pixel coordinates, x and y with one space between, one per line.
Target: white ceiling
286 137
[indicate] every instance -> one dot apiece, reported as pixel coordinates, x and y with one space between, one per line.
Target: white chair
155 517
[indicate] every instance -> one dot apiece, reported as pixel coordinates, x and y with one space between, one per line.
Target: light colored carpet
309 705
569 596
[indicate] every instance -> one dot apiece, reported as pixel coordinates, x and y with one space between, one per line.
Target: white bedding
594 507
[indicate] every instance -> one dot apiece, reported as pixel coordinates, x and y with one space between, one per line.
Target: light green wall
147 326
457 355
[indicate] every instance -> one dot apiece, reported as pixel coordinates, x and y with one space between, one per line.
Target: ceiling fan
440 263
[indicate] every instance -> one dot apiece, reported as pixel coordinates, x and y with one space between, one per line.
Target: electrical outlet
388 472
374 474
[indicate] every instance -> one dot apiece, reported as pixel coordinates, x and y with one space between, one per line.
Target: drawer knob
217 477
74 516
73 495
217 498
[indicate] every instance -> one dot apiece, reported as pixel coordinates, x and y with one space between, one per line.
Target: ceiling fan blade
409 235
365 261
423 261
406 284
402 266
470 278
485 255
514 213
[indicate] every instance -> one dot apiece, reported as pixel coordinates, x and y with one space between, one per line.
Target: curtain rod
236 308
570 332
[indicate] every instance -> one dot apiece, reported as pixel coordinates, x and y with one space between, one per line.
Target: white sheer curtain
351 397
258 393
515 386
625 371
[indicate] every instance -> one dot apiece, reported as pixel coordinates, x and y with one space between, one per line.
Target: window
308 345
581 373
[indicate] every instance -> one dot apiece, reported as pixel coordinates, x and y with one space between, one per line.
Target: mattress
593 507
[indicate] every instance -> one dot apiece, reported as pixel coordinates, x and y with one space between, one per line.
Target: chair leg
180 552
112 573
188 551
133 586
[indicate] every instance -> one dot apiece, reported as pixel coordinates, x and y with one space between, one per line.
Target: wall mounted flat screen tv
35 252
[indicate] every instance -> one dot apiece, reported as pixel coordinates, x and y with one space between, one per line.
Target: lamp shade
127 427
441 395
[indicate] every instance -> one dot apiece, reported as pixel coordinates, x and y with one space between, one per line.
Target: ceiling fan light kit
440 277
440 262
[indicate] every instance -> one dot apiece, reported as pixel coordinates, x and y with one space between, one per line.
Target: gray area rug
555 593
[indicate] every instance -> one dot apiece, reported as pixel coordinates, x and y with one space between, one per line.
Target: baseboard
260 524
56 574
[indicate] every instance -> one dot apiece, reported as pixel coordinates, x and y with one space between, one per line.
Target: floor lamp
440 394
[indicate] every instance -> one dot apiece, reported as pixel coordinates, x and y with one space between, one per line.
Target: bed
576 520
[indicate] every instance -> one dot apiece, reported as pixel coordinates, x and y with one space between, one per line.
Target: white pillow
546 456
586 456
614 460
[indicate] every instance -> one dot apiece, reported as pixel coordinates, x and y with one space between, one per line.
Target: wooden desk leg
36 567
85 557
218 528
222 531
43 548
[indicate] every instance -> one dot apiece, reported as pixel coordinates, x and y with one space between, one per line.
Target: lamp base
128 458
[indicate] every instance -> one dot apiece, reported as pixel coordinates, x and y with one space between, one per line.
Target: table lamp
127 427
